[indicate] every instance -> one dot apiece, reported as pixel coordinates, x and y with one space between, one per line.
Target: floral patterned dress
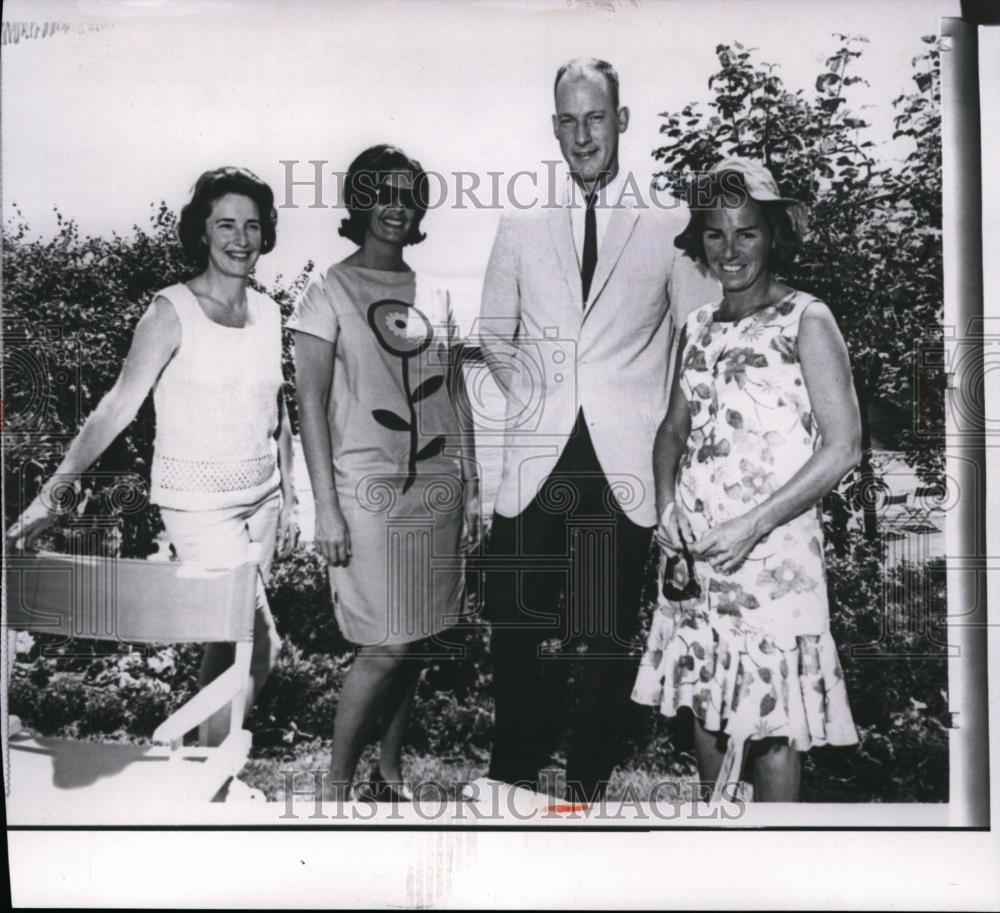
753 655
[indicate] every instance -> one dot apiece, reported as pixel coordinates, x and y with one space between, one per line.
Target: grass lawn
270 774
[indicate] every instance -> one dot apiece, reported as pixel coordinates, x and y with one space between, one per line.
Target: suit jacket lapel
620 227
561 229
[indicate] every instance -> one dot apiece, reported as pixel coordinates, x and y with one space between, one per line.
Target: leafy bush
299 596
50 707
299 700
83 688
888 625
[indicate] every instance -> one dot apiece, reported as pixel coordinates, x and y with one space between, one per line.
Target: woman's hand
473 518
332 538
673 529
30 525
288 527
726 546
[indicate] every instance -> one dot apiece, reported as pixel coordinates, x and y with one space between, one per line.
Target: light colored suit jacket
612 359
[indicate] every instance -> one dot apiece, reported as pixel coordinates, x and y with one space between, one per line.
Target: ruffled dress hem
740 682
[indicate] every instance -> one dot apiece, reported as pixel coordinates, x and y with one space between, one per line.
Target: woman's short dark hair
727 188
210 187
365 174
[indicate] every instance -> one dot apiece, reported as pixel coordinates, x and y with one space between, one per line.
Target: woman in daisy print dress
763 421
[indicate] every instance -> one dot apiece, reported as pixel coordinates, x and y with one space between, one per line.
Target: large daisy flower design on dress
403 331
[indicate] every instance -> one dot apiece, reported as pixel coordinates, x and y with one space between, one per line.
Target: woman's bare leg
709 750
219 656
396 718
777 771
367 687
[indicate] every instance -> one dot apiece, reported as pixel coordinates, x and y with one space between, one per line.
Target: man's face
587 127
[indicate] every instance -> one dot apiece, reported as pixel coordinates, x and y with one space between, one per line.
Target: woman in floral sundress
763 421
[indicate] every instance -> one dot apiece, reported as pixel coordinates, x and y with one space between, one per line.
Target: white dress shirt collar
608 199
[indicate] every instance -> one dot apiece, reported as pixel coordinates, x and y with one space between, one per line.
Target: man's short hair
587 66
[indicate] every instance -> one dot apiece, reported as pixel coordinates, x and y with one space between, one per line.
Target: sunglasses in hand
688 587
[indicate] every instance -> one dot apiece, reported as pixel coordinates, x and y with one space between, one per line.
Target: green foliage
299 596
453 707
890 627
286 294
299 701
89 689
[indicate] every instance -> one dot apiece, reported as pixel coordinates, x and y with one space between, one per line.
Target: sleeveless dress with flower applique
752 656
395 442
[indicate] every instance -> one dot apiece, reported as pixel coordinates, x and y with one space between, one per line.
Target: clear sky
103 122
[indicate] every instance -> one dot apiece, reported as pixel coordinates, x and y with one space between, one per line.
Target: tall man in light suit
581 304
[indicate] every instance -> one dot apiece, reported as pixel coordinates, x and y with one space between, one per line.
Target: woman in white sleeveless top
210 350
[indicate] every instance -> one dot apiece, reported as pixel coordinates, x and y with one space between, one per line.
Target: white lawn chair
141 602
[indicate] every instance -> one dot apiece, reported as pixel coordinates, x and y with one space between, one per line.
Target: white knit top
217 408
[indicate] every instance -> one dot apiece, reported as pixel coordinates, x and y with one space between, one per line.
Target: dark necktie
589 246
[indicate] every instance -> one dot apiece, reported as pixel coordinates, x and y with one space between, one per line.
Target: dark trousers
572 541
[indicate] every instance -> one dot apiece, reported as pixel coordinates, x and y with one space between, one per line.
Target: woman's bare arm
314 365
671 436
157 336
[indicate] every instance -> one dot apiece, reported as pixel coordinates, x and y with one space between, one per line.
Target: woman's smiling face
394 212
737 242
233 234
